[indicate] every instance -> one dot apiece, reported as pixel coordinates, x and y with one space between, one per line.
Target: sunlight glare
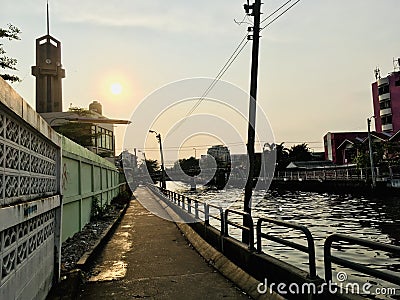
116 88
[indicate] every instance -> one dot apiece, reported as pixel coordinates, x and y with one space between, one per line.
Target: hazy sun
116 88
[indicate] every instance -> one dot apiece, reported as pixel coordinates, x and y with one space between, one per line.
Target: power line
215 81
281 14
222 71
269 16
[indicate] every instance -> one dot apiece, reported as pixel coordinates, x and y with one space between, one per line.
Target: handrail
310 249
329 258
250 228
220 218
179 200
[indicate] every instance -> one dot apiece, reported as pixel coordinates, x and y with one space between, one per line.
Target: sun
116 88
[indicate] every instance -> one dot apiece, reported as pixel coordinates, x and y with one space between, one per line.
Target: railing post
226 232
258 232
196 209
251 233
221 215
206 214
189 205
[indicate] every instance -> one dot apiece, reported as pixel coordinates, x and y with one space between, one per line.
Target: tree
11 33
282 156
80 133
300 152
153 168
190 166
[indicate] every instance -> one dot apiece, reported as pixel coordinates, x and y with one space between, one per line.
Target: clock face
48 61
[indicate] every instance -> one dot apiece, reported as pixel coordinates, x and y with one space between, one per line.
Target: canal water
375 219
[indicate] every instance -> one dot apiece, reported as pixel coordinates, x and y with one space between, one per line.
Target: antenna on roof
377 72
396 64
48 23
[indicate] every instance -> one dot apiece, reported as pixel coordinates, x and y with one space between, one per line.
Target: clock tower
48 72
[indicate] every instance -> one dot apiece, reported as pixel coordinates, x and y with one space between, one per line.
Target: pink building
386 102
332 141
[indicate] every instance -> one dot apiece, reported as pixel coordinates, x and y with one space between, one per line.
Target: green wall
85 176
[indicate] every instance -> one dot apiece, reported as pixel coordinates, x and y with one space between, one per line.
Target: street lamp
371 155
163 185
195 156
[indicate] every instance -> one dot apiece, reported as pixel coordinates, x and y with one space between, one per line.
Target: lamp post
371 155
163 185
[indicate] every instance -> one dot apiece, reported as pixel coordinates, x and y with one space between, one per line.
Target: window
386 119
385 104
397 82
383 89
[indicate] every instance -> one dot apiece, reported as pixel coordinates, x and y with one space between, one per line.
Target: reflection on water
376 219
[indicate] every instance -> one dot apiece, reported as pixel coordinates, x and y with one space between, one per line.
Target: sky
316 62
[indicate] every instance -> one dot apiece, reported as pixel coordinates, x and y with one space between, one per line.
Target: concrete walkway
149 258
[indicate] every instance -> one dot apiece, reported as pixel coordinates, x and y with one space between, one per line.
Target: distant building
386 102
309 164
93 123
341 147
221 155
332 141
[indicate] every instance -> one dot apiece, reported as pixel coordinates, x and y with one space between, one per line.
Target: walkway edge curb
89 255
238 276
68 286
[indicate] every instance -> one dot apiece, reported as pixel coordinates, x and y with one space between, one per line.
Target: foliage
282 156
122 198
300 152
80 133
190 166
152 167
97 210
11 33
362 158
108 153
82 112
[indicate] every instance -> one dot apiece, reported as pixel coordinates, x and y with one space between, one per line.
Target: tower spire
48 23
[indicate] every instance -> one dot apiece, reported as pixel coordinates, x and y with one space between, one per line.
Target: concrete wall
30 202
37 166
85 177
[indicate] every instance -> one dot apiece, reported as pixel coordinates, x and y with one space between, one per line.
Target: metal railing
329 258
195 207
340 173
249 229
309 249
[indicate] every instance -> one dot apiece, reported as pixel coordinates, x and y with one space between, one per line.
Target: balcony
385 96
387 127
386 111
383 81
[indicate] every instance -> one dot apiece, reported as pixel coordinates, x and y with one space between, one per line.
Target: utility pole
162 183
256 13
371 154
